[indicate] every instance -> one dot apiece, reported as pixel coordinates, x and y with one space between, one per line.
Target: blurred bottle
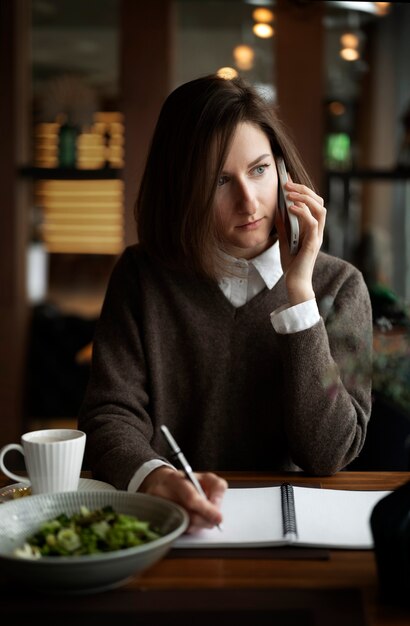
67 143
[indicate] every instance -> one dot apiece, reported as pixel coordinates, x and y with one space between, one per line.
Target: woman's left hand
309 208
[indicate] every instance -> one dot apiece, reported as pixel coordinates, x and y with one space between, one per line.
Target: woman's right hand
309 208
166 482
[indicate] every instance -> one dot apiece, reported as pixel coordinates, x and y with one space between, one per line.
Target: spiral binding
288 510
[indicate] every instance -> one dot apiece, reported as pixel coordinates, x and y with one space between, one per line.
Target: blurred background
82 84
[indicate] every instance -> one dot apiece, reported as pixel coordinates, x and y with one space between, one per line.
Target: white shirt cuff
292 319
143 471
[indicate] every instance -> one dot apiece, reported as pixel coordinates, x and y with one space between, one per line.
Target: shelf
49 173
398 173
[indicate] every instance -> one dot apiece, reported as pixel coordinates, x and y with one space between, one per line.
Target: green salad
87 532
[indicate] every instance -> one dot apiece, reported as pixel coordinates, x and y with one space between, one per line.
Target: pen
177 452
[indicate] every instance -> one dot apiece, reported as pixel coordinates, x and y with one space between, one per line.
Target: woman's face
246 197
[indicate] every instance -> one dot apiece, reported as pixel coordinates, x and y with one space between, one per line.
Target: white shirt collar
267 264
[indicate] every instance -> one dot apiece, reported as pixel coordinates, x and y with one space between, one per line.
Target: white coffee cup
53 459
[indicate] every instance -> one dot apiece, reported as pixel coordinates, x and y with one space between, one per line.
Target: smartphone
290 220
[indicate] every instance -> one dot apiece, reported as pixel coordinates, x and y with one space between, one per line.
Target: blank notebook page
335 517
250 516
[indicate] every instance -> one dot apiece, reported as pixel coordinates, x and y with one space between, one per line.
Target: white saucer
19 490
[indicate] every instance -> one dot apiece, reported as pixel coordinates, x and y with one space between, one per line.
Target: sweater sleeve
328 378
115 411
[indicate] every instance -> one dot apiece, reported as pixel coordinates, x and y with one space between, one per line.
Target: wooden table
340 589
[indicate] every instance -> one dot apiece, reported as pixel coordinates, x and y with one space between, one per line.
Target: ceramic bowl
20 518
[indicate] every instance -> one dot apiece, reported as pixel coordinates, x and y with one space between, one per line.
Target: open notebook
286 515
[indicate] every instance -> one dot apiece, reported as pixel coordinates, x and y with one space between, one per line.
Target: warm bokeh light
382 8
265 16
244 57
263 30
336 108
227 72
349 54
350 40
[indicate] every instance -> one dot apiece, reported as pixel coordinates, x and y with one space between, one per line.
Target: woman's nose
247 202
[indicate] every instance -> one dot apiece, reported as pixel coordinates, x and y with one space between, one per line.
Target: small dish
21 490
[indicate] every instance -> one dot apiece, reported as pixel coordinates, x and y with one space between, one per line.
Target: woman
212 327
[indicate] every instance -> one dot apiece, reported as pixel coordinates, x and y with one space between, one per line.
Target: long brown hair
174 209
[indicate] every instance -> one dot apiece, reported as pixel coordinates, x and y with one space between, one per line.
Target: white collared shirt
249 279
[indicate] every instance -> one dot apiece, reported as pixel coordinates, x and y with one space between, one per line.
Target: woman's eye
222 180
260 169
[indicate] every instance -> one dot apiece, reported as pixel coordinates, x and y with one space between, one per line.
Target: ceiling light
263 30
244 57
382 8
349 54
227 72
337 108
350 40
263 15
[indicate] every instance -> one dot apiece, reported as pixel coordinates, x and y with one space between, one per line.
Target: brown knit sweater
171 349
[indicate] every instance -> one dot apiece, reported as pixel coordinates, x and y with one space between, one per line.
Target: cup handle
3 452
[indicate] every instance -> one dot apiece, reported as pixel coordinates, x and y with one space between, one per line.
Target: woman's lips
250 225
